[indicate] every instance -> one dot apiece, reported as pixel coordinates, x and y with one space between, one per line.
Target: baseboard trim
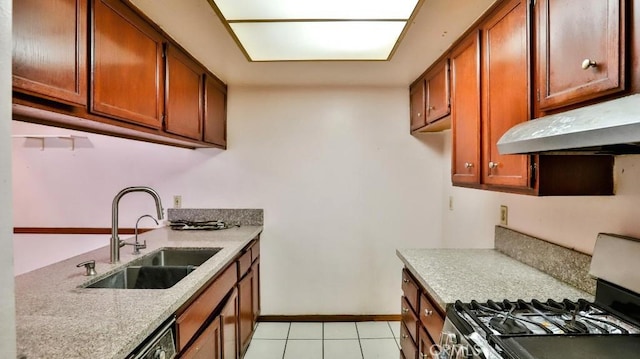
331 318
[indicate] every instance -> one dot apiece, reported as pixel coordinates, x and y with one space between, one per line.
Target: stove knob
160 354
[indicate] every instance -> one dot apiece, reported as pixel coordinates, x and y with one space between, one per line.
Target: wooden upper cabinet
127 66
417 95
505 92
215 112
437 92
50 49
465 111
580 50
183 94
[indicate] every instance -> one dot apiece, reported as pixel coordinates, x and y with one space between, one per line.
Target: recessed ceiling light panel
304 30
316 9
342 40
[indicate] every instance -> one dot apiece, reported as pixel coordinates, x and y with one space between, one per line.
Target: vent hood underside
611 127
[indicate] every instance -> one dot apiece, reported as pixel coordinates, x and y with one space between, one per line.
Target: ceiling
194 25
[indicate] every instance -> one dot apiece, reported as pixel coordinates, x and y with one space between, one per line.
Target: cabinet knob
419 114
468 164
404 336
428 313
424 356
405 280
431 108
405 310
586 63
493 165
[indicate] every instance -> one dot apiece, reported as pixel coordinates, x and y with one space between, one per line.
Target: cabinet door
255 268
572 34
437 85
207 345
229 322
215 112
184 95
417 103
408 347
245 298
127 66
505 92
465 111
426 348
50 49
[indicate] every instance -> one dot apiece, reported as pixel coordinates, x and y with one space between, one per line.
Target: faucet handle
90 266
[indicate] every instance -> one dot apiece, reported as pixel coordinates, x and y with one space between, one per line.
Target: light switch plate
177 201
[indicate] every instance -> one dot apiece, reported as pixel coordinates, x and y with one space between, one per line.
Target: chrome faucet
116 243
137 246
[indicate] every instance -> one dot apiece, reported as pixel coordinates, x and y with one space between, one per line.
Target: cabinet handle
425 356
493 165
586 63
404 336
405 310
405 280
468 164
428 313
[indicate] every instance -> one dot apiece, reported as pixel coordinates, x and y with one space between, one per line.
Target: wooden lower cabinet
220 321
407 346
422 320
426 348
208 345
245 288
229 323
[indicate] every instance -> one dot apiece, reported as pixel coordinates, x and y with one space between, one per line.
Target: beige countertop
55 318
481 274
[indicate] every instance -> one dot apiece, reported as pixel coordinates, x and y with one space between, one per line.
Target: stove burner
508 326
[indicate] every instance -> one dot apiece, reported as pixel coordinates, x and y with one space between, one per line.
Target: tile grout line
286 341
359 341
393 334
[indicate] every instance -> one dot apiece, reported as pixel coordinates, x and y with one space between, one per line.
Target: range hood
611 127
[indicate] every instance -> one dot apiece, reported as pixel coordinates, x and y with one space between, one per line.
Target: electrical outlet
504 215
451 203
177 201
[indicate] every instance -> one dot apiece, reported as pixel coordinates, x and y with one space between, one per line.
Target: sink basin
144 277
161 269
177 257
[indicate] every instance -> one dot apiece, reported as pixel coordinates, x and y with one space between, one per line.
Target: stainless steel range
607 328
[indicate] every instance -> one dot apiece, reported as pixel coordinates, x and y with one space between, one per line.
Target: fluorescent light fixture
304 30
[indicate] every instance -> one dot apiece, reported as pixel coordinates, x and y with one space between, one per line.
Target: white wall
7 302
341 181
572 222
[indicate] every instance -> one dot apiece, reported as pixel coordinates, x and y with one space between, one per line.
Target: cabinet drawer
244 263
409 319
255 251
201 309
430 317
409 348
410 289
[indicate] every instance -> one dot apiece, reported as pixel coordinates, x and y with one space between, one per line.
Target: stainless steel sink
177 257
161 269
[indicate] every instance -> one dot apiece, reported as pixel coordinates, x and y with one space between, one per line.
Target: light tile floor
349 340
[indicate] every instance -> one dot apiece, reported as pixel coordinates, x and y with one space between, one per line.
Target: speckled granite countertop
56 319
481 274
